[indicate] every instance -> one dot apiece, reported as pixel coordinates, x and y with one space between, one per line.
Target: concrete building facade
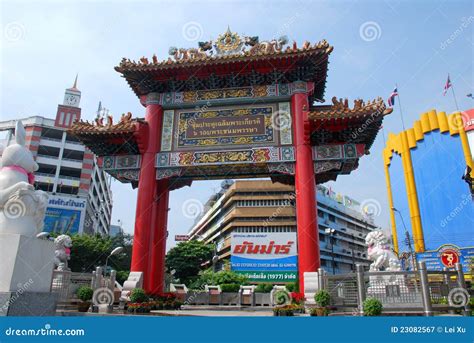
260 206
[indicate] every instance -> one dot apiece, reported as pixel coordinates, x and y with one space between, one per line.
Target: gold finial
75 82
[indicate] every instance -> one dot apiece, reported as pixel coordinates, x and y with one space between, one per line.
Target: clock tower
69 111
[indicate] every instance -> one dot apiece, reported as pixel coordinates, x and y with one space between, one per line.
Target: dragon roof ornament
340 109
228 45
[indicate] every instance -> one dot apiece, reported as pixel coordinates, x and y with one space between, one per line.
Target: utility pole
352 252
412 254
407 240
331 232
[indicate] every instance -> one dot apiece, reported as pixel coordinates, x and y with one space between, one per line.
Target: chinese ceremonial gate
232 108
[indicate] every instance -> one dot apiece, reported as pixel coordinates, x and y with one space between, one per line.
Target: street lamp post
116 251
352 251
353 267
331 232
408 240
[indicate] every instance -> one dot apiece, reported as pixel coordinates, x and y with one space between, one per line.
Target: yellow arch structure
402 144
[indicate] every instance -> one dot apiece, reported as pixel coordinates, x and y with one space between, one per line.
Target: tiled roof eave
221 60
87 129
338 114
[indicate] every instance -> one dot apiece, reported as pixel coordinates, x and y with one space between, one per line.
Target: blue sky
376 44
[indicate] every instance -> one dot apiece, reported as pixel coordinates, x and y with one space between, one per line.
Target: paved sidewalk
211 313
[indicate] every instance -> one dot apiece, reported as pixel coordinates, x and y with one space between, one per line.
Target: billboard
181 238
446 256
265 257
65 215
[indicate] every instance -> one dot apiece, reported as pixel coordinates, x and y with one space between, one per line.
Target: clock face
71 100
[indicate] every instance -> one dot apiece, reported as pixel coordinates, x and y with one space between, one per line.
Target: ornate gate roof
235 70
230 61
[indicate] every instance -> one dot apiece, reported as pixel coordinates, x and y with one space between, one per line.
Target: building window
320 214
68 118
61 118
332 218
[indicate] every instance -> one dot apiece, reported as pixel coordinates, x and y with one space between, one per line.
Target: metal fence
66 283
420 291
343 289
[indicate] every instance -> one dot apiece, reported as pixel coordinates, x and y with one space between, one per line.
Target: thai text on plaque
253 125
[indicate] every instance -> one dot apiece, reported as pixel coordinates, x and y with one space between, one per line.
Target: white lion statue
62 252
380 252
22 209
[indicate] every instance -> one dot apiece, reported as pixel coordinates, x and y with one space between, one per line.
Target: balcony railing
73 142
72 160
69 177
45 175
51 139
48 156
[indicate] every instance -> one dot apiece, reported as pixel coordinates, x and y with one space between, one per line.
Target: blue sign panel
65 215
265 257
60 220
446 257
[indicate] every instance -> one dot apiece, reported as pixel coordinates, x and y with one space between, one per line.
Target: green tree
187 259
91 251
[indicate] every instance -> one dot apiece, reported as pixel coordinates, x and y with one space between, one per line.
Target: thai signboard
65 215
446 256
181 238
225 126
265 257
212 127
342 199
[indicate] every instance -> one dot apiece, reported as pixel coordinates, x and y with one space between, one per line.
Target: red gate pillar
159 235
148 214
305 189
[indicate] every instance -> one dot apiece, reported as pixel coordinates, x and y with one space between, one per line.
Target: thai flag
391 98
447 85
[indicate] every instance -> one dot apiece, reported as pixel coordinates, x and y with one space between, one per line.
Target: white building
80 195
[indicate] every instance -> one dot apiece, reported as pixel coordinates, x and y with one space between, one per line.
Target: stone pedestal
311 286
135 280
26 269
26 263
28 303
